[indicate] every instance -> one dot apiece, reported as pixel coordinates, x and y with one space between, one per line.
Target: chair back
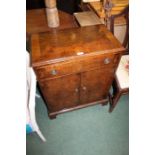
113 18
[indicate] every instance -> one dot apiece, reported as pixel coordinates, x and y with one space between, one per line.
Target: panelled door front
95 85
61 93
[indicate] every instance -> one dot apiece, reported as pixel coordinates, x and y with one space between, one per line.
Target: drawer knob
54 72
84 88
76 90
106 61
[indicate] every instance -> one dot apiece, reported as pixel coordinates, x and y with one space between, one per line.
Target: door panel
61 93
95 85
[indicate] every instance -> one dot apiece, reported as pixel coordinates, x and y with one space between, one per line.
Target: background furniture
104 14
121 82
87 18
75 67
118 6
125 37
36 21
31 91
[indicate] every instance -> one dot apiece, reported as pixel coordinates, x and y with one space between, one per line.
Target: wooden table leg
52 13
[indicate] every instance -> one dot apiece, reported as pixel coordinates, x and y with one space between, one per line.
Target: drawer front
76 66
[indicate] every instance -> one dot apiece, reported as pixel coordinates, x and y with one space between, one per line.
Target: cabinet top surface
66 44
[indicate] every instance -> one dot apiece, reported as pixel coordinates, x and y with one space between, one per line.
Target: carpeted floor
88 131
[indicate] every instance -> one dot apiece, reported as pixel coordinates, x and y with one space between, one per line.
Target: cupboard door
95 85
61 93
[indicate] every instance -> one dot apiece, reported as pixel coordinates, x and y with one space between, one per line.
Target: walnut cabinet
75 67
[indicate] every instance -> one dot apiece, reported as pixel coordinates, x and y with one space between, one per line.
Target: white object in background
122 73
31 90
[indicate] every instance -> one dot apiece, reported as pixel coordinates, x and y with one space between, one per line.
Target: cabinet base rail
53 115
